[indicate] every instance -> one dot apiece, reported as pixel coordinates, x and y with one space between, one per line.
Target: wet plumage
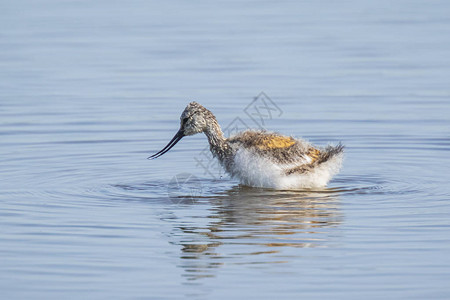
261 158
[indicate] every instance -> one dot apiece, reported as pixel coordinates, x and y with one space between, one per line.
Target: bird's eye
184 120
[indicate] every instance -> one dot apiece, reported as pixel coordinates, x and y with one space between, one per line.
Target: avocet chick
260 158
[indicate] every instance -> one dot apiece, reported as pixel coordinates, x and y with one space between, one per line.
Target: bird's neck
217 142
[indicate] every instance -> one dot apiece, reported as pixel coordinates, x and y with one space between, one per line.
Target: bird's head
193 120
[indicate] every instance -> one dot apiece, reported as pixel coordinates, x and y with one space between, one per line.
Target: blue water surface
89 89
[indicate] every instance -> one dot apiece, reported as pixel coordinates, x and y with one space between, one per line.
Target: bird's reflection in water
253 226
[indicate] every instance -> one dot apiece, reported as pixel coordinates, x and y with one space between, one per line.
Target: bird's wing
263 140
285 150
270 142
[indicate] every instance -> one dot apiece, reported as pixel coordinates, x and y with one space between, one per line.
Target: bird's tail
329 152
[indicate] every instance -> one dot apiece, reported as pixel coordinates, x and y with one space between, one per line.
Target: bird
260 158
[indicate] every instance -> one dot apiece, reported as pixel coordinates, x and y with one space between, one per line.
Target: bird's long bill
176 139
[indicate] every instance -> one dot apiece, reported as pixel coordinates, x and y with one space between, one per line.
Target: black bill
176 139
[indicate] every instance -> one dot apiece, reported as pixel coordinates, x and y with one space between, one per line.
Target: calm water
89 90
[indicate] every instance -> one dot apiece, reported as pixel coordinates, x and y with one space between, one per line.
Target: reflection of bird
261 158
256 226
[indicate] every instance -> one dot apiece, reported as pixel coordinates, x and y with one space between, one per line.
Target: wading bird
261 158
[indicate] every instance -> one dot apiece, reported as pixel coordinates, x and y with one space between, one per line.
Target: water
89 90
